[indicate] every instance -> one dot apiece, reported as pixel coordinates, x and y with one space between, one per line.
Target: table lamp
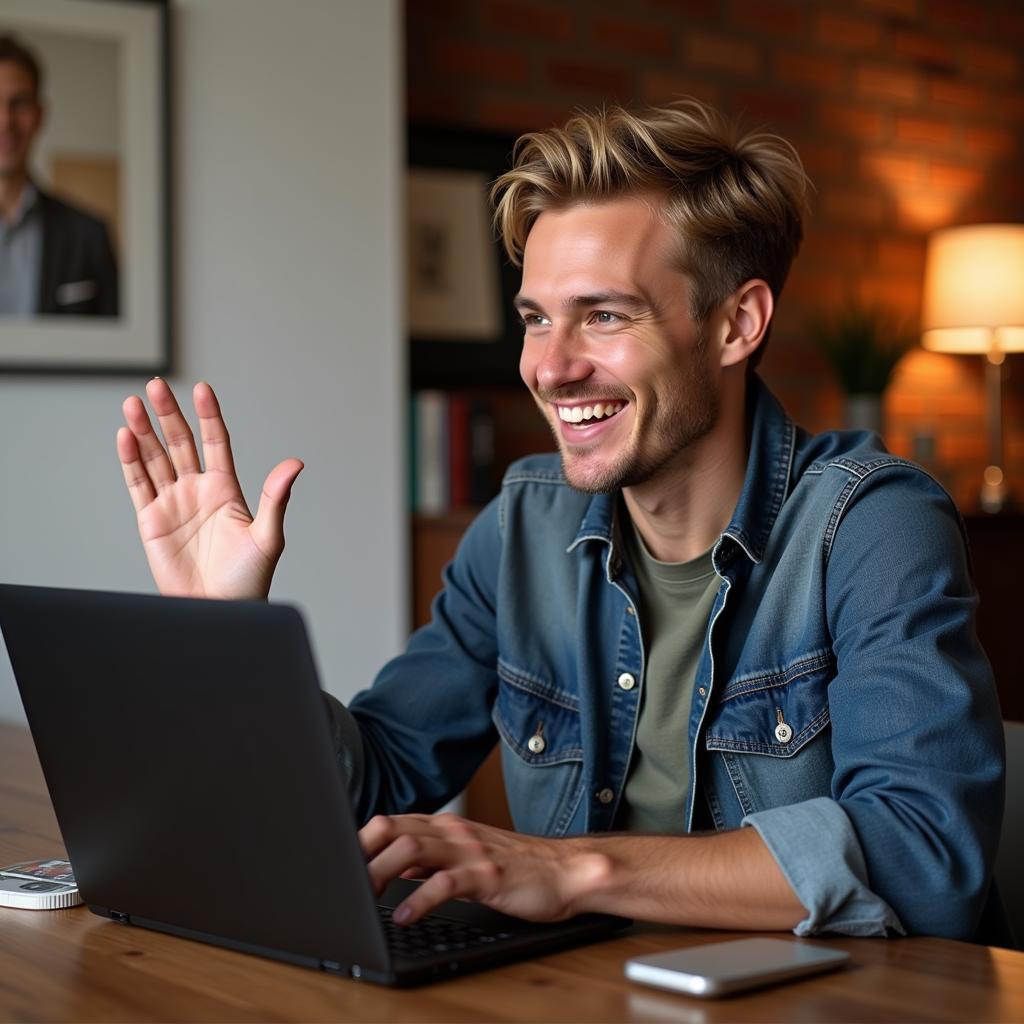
974 303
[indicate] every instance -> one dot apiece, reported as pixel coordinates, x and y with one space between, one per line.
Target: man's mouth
585 415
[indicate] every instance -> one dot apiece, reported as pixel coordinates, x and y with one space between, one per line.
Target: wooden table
70 965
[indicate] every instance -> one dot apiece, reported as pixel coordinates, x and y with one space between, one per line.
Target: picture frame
101 303
474 337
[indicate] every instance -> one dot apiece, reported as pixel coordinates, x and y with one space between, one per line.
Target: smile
585 414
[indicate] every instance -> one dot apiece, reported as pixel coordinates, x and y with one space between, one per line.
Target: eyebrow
583 301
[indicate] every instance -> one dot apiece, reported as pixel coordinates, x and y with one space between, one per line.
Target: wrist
587 877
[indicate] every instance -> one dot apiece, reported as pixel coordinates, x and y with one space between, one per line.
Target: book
459 450
482 486
431 452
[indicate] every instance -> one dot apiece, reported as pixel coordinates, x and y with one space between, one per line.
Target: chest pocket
768 742
541 751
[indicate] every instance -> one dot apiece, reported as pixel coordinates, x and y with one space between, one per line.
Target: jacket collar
772 444
26 203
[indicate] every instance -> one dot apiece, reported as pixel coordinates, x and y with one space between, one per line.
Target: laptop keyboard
432 935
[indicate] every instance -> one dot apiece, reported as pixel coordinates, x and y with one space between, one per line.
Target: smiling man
732 667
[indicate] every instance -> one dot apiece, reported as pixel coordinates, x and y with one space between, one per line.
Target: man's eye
534 320
605 318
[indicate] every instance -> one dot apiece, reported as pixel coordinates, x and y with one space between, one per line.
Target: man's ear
748 313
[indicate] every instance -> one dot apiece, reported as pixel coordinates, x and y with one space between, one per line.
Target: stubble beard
690 417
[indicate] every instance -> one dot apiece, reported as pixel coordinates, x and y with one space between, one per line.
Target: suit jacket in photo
78 276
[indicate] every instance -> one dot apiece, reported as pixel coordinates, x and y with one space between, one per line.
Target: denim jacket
842 705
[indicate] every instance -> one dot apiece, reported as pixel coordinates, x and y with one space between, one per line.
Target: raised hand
198 534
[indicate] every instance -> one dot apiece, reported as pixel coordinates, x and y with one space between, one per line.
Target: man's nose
564 360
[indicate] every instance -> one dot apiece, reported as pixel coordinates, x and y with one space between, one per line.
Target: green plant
863 346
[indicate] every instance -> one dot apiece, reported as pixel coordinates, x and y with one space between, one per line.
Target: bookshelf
461 441
516 429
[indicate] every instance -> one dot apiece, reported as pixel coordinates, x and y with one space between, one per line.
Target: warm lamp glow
974 290
974 302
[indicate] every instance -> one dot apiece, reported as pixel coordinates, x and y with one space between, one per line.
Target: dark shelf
997 556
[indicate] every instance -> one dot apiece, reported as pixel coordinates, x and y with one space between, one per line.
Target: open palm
198 534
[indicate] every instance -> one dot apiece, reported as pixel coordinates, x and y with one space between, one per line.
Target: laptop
187 750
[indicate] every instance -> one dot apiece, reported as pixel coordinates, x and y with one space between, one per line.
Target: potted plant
863 346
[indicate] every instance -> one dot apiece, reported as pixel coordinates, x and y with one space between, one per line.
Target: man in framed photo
55 258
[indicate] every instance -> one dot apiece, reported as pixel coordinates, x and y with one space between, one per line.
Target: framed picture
85 246
460 284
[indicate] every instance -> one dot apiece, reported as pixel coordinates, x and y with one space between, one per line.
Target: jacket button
626 681
536 744
783 733
605 796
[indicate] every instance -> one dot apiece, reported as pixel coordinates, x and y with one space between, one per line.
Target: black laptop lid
187 752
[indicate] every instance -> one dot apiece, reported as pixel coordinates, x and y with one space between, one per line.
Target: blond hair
736 199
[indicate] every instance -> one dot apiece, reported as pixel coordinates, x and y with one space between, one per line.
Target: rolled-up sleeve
817 850
908 838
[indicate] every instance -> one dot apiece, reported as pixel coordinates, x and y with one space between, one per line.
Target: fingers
161 465
140 487
151 454
181 446
268 526
427 853
148 466
445 849
216 441
383 829
478 881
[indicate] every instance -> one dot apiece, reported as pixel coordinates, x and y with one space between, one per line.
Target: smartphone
722 968
38 885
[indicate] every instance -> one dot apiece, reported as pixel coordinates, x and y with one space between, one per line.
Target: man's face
609 337
21 116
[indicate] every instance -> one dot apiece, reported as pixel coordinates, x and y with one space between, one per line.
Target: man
54 257
695 619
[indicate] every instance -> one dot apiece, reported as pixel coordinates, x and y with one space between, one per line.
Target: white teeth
579 414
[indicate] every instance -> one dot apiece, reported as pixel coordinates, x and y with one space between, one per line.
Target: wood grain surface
70 965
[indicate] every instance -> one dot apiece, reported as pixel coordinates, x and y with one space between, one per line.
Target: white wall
287 164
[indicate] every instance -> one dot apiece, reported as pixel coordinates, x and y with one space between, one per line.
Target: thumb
268 526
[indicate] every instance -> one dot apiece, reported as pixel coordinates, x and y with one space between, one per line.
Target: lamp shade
974 289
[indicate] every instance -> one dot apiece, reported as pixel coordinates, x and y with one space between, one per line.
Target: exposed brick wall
909 115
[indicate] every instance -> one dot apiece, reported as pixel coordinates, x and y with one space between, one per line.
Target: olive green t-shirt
675 601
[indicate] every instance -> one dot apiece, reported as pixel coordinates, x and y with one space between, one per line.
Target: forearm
723 880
